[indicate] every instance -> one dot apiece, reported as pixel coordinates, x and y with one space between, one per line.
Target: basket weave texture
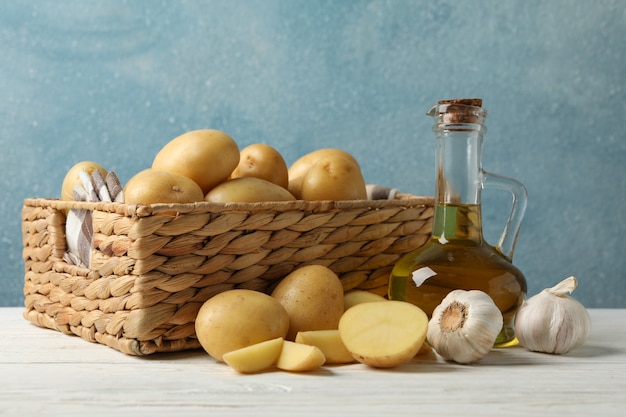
154 266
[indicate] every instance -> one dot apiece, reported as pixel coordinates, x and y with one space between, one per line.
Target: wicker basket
152 269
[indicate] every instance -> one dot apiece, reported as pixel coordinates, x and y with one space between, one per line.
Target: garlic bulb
552 321
464 327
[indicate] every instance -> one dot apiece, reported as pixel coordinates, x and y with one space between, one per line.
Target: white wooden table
46 373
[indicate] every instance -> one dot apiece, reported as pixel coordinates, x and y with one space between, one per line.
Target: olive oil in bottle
457 259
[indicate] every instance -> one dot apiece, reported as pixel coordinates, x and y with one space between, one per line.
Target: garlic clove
552 321
464 327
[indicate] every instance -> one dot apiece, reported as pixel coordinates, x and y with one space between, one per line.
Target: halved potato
383 334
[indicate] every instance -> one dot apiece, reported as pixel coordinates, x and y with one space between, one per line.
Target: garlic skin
464 327
552 321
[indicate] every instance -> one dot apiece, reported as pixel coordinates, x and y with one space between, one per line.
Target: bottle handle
508 238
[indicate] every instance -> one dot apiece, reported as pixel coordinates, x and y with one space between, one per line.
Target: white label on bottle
421 275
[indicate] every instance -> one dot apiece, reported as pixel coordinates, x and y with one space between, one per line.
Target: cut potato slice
297 357
354 297
329 342
254 358
383 334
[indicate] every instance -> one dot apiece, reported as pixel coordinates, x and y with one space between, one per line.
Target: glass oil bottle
457 256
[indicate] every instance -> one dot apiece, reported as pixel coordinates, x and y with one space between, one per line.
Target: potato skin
150 186
313 298
239 318
301 166
333 178
248 190
206 156
354 297
263 161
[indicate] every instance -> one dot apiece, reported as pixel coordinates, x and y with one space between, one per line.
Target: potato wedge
296 357
383 334
354 297
254 358
329 342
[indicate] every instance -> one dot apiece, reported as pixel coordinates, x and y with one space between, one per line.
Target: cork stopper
461 111
476 102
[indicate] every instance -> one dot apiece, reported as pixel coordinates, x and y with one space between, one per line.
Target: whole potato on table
313 298
238 318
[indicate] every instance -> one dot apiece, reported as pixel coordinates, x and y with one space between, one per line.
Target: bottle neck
458 167
459 184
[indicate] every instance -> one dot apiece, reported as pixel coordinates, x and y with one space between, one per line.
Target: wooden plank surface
43 372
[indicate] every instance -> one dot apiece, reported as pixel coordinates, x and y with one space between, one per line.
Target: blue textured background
113 81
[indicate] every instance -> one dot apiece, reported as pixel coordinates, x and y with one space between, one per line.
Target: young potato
302 165
313 298
329 342
238 318
333 178
383 334
299 168
150 186
248 190
206 156
254 358
262 161
354 297
72 177
295 357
